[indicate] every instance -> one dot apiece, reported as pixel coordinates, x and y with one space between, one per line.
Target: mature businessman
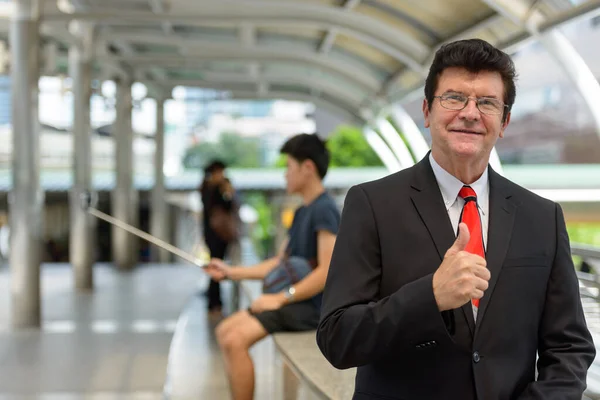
447 280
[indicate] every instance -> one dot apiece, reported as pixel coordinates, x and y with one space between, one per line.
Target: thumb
462 239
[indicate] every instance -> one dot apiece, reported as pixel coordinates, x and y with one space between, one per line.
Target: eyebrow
491 96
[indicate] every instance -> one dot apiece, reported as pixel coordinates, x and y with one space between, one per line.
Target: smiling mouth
465 131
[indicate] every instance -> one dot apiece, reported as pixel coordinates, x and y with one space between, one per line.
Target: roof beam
349 103
329 39
348 112
521 13
199 51
194 60
369 30
159 74
470 31
586 10
124 47
159 7
139 75
309 82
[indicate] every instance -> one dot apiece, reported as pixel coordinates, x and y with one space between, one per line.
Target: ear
309 166
504 125
426 112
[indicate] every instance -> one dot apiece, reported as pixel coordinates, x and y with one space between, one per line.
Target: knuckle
462 280
462 254
465 291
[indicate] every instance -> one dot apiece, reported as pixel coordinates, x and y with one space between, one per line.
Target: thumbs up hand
462 276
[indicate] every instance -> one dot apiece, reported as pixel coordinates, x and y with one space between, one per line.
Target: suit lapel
428 201
502 212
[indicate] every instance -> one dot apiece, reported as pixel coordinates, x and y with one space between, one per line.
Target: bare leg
236 335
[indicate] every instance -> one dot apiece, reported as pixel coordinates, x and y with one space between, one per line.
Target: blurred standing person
217 196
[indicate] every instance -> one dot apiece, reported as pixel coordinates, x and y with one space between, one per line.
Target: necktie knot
467 193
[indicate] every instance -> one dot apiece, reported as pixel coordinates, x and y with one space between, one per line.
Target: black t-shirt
321 214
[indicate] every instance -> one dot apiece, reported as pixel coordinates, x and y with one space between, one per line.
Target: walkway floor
112 343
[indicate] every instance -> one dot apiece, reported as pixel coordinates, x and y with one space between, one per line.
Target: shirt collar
450 185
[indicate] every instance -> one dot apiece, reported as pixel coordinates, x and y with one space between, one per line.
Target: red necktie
470 216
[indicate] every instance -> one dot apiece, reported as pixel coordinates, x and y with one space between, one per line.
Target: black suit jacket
379 312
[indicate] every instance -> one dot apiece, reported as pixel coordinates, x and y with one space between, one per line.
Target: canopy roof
354 57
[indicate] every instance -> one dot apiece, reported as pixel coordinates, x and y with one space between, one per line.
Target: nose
470 112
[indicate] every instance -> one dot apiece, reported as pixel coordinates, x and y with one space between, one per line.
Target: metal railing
589 284
588 269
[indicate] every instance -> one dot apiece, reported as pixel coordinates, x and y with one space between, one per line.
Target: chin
466 150
290 190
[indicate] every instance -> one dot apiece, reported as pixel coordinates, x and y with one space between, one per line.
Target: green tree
348 148
584 233
263 234
233 149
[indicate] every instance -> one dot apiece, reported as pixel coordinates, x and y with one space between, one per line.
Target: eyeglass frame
475 99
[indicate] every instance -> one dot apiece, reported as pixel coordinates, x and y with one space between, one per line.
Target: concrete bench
304 365
306 369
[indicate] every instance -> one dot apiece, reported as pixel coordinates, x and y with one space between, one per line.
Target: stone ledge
300 352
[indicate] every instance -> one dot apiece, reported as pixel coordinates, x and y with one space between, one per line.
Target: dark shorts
301 316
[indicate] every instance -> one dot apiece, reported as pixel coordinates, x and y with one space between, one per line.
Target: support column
82 232
26 198
159 219
123 197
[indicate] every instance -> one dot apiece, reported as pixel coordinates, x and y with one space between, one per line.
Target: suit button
476 357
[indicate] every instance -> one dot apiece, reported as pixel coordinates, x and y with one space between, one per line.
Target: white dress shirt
450 186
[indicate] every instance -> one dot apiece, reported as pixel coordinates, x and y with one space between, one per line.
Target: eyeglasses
457 102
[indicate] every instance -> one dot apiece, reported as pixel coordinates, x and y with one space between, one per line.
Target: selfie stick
88 201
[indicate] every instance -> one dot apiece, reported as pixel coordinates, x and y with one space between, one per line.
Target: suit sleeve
357 326
566 349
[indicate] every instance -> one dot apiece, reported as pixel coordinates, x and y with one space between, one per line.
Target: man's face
466 133
295 175
218 175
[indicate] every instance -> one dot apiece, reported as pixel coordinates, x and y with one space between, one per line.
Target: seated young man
312 237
